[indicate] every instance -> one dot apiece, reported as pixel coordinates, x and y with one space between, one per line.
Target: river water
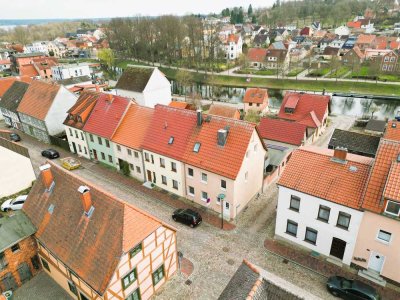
351 106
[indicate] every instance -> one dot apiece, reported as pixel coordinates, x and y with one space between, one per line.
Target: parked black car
187 216
15 137
351 289
50 153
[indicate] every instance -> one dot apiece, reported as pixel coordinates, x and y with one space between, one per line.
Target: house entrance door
95 154
337 248
227 210
24 272
376 262
74 146
149 175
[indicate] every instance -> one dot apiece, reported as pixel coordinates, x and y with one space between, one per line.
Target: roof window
196 147
171 140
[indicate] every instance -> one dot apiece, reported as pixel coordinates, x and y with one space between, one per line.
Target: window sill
205 182
323 220
382 241
191 195
294 209
311 242
342 227
291 234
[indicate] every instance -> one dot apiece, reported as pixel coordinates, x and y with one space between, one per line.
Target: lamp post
221 198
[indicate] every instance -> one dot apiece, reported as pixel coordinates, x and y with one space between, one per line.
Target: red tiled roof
392 188
106 115
6 83
282 131
38 99
255 95
312 171
179 104
394 45
385 160
224 111
365 39
257 54
5 62
381 42
357 51
132 130
45 63
354 24
28 70
170 122
232 38
392 133
305 31
82 109
310 109
90 247
292 101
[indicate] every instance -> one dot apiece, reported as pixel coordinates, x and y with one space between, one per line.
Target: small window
15 248
107 143
119 148
134 296
129 152
76 134
311 235
175 184
131 166
137 249
45 264
393 208
204 177
79 148
164 179
129 278
84 148
173 166
72 288
100 140
323 213
162 162
136 154
152 159
343 220
294 203
70 131
255 147
196 147
103 156
91 137
171 140
204 196
138 170
3 261
146 157
291 228
110 159
384 236
191 191
82 138
190 172
158 275
223 184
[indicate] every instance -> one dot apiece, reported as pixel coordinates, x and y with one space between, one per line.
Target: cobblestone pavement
41 287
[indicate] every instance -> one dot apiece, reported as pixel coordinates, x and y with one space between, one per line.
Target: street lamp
221 198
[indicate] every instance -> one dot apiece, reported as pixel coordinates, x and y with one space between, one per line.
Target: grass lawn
295 72
305 85
256 72
364 71
122 63
389 77
339 73
319 72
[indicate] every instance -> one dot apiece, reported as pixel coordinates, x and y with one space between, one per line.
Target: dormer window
171 140
289 110
70 116
392 208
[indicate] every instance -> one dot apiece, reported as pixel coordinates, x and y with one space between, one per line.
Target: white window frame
202 198
206 176
382 240
189 193
387 212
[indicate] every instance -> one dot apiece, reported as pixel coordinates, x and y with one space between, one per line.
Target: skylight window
171 140
196 147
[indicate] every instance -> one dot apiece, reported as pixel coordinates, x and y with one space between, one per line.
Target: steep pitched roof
365 38
6 82
80 111
282 131
257 54
357 51
224 111
312 171
309 109
134 79
38 99
13 96
354 141
179 104
385 171
106 115
91 247
255 95
28 70
132 130
392 131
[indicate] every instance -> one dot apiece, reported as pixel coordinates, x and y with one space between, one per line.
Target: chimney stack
86 199
47 176
199 117
110 98
340 154
221 137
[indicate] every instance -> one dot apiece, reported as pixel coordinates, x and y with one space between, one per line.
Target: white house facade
70 71
77 141
39 46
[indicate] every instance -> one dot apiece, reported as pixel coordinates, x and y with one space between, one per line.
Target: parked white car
14 204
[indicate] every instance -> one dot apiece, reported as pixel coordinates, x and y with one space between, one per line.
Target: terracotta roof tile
132 130
310 108
312 171
28 70
5 83
392 131
91 247
13 96
365 39
81 110
392 188
354 24
38 99
106 115
282 131
179 104
255 95
224 111
257 54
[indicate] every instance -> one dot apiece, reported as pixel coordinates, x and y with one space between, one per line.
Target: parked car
70 163
14 204
187 216
50 153
15 137
351 289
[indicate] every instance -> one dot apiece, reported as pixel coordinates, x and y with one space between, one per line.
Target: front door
74 146
376 262
24 272
95 154
337 248
227 210
149 175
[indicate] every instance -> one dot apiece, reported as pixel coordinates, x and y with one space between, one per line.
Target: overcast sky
50 9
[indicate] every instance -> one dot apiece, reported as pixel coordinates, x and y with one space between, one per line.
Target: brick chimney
86 199
47 176
110 98
199 117
340 154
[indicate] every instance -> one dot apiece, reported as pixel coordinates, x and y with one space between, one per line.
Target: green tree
107 57
252 116
250 10
254 19
185 79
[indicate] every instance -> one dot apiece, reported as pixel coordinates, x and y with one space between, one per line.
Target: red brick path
186 267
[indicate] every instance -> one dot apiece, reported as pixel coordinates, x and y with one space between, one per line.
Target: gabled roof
282 131
74 80
223 160
352 24
132 130
13 96
233 38
358 52
257 54
6 82
355 142
81 110
38 99
134 79
179 104
106 115
331 51
392 130
385 163
365 38
170 122
310 108
260 39
255 95
90 247
224 111
28 70
312 171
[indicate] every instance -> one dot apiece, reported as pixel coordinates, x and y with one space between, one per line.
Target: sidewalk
321 266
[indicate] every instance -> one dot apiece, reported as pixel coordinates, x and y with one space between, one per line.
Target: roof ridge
310 149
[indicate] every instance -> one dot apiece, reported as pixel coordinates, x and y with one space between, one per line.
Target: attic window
70 116
171 140
289 110
196 147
